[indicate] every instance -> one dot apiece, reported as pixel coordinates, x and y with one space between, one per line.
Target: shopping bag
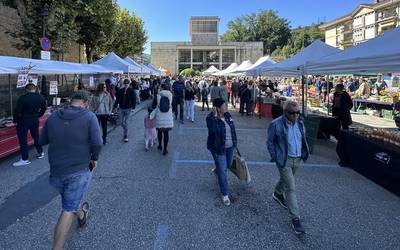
239 167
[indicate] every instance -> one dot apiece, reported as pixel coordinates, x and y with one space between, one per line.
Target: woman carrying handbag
102 105
221 142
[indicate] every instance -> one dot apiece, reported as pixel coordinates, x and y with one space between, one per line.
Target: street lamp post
44 14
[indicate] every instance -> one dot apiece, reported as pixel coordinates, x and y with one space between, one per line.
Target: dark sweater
30 106
74 138
126 99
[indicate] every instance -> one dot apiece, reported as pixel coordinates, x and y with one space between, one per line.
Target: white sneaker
21 163
40 156
126 140
226 200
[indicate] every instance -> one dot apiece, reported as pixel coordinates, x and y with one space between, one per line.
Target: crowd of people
76 133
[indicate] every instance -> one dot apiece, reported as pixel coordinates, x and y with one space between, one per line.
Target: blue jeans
71 187
23 127
222 162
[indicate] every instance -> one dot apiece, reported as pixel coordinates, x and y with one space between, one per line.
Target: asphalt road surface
144 200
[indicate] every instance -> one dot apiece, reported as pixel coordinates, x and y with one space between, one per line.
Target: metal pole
302 95
329 91
11 97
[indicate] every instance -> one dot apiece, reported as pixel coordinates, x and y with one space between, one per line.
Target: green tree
96 22
189 72
265 26
129 36
59 22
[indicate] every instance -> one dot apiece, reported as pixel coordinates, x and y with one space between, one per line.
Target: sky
168 20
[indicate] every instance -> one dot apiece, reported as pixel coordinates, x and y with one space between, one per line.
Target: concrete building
204 49
365 22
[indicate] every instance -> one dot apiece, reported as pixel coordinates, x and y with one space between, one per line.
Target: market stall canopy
112 61
378 55
227 71
294 65
245 65
154 68
211 70
143 69
15 64
263 62
5 71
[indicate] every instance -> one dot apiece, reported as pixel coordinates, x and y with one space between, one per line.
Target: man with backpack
126 102
178 89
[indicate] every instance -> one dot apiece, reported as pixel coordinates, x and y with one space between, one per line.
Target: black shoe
280 199
159 148
182 122
297 227
165 152
85 210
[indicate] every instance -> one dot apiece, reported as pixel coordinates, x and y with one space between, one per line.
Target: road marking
161 237
172 170
259 163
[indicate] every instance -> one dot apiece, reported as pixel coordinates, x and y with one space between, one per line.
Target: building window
197 56
212 56
204 26
228 55
184 55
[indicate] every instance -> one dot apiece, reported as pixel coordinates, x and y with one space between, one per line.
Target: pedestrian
73 135
224 93
102 105
204 97
342 104
136 88
324 90
189 101
178 89
150 133
288 148
163 117
253 96
235 92
221 142
125 102
245 96
30 107
215 91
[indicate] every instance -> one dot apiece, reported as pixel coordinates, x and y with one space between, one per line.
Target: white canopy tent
227 71
112 61
245 65
5 71
211 70
143 69
13 64
294 66
378 55
262 62
154 68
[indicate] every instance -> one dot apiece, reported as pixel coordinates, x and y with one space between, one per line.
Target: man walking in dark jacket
74 139
126 102
178 89
30 107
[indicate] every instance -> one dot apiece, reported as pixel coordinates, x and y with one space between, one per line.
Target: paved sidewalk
144 200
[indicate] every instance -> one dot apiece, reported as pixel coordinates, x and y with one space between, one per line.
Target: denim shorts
71 187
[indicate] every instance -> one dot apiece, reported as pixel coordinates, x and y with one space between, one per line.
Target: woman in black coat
342 104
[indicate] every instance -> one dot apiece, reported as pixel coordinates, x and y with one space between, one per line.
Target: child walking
150 133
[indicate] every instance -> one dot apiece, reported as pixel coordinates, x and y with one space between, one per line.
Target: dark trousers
162 135
179 103
243 104
205 101
22 132
103 123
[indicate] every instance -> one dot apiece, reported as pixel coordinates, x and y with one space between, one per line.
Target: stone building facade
204 49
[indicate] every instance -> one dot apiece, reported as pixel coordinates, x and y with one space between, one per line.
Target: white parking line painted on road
172 170
161 237
260 163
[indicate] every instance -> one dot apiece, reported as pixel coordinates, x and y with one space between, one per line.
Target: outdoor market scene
158 125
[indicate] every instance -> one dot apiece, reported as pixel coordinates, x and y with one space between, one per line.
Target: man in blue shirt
288 148
178 89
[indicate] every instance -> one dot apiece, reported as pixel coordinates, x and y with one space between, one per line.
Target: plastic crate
387 114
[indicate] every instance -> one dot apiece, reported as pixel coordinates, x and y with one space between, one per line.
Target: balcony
387 15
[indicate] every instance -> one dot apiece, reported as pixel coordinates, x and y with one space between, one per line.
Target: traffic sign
45 55
45 43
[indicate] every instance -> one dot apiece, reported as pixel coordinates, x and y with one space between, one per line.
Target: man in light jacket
288 148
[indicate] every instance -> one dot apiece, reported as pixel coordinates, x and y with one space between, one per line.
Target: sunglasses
293 112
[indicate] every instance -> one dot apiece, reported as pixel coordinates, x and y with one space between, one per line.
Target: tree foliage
129 36
189 72
265 26
300 38
100 25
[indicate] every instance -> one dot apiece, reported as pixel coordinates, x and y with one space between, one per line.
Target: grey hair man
288 148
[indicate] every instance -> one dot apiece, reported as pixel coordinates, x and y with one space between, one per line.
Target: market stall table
374 104
375 159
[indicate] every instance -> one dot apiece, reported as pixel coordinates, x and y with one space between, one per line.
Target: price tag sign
53 88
